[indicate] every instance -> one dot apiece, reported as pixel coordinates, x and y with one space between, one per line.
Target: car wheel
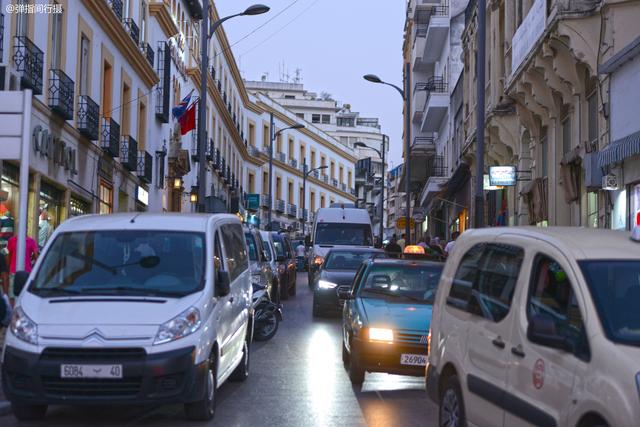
204 409
451 411
241 372
25 412
268 326
356 372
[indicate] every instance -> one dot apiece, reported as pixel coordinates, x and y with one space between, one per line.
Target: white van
131 309
338 227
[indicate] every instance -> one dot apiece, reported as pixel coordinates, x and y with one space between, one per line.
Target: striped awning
620 149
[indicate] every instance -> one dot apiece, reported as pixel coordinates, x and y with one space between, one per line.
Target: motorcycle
267 315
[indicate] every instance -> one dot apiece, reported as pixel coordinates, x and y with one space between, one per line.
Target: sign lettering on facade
487 184
528 33
54 149
502 175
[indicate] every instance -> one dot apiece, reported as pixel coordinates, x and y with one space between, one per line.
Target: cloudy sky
333 43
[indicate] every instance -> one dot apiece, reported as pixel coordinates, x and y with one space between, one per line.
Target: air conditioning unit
610 182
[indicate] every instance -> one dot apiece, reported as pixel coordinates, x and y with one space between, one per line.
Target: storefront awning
619 150
457 180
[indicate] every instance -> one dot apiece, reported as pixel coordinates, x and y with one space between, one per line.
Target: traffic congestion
515 324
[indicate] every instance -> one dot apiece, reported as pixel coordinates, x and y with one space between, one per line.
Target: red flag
188 119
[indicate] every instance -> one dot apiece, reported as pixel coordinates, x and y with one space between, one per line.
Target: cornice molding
160 9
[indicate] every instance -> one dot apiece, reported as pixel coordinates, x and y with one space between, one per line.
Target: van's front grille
114 388
116 355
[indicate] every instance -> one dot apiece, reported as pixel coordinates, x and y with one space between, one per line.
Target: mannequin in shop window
7 224
44 227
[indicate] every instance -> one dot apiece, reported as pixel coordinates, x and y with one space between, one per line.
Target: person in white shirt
451 245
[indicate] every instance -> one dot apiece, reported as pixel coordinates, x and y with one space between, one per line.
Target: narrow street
297 379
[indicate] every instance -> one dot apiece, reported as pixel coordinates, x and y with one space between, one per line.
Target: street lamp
208 31
273 135
305 174
407 136
381 154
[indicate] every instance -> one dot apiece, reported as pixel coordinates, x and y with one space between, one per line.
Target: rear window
401 282
340 233
344 260
251 246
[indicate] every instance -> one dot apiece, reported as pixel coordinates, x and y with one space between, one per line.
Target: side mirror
19 280
223 283
345 293
542 330
265 256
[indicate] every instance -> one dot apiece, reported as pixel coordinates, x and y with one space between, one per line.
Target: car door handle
518 351
498 342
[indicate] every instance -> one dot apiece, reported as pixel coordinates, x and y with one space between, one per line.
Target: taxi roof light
414 249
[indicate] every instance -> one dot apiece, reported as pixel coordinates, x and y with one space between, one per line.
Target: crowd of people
432 246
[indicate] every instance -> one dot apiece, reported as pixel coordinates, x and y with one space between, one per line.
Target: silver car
261 271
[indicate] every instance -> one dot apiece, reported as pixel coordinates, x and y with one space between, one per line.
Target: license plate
91 371
413 359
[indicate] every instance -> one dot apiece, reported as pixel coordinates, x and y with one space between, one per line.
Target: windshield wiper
139 291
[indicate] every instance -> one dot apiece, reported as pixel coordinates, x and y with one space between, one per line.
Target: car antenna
134 217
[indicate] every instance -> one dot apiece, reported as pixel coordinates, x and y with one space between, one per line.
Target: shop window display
78 207
9 193
50 212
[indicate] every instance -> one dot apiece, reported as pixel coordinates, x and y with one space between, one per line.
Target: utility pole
381 207
480 66
271 138
407 149
202 107
304 195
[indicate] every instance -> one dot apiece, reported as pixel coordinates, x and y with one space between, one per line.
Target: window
312 165
289 97
265 136
349 178
22 20
107 77
143 21
332 169
126 109
592 106
217 255
291 149
265 182
235 249
303 157
56 40
551 296
312 201
544 154
566 135
84 66
252 183
252 246
142 126
290 192
486 279
252 135
346 121
278 188
341 174
106 198
300 115
592 209
326 119
315 118
322 201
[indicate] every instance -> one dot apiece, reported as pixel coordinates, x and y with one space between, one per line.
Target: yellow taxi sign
414 250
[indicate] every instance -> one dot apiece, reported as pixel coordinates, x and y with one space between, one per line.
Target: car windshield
339 233
251 244
278 243
401 282
122 262
344 260
615 289
267 250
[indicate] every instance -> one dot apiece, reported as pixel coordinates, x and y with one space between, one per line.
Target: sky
334 43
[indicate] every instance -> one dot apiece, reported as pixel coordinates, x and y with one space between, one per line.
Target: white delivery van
338 227
131 309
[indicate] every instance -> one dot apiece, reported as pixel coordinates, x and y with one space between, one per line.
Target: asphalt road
296 379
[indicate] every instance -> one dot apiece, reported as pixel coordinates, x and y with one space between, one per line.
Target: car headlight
180 326
323 284
318 260
381 334
23 327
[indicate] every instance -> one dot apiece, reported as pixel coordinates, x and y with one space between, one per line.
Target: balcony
227 175
133 30
217 161
423 145
436 104
280 206
343 187
129 153
334 182
435 33
116 6
418 101
282 157
163 92
264 200
315 174
148 52
254 151
110 142
223 167
88 117
210 151
302 214
292 210
61 94
293 163
145 167
29 61
436 177
353 192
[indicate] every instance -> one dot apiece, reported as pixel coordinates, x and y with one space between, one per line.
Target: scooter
266 314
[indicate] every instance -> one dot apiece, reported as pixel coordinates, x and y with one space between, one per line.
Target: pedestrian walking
451 245
301 252
402 242
393 249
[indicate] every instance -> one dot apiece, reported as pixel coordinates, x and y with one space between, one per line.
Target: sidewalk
5 406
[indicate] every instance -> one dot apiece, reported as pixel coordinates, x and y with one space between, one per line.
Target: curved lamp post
305 174
381 154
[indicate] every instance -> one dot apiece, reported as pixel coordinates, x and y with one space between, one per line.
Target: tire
356 372
25 412
204 409
451 407
262 334
241 373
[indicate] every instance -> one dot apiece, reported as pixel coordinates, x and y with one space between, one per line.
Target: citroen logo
95 334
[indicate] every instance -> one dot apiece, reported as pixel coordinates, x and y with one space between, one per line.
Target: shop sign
176 55
54 148
402 222
487 185
502 175
142 196
528 33
253 201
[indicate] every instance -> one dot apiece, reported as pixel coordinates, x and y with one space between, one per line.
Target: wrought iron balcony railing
223 167
293 163
282 157
264 200
88 116
164 86
148 52
217 163
334 182
129 153
209 153
29 60
116 6
61 94
110 141
132 29
292 210
145 167
343 187
227 175
280 205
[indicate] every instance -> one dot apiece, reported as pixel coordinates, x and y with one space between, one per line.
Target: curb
5 407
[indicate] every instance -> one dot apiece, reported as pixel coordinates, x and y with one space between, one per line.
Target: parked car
270 251
131 309
538 326
386 317
261 273
338 271
285 256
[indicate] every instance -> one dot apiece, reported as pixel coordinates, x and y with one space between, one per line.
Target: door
223 310
541 377
483 288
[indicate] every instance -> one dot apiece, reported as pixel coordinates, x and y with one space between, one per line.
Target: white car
131 309
538 327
